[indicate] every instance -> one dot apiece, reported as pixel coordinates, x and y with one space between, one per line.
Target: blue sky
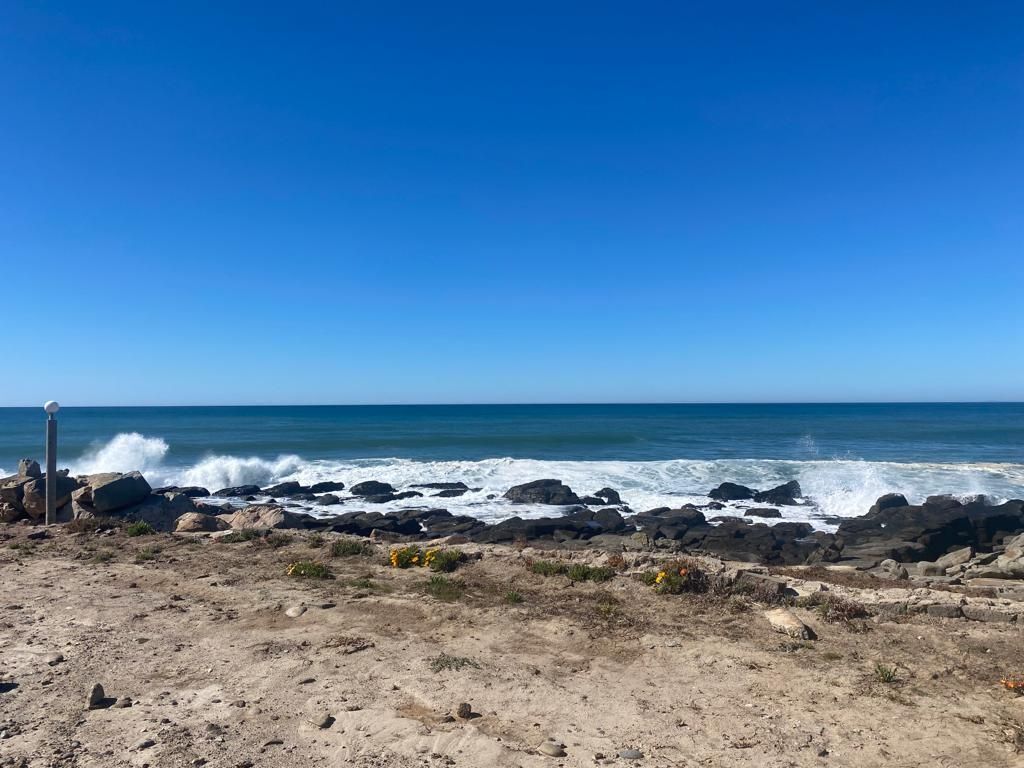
522 202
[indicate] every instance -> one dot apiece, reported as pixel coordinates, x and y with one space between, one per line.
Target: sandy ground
198 637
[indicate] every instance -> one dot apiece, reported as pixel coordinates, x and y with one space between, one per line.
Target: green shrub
884 673
575 571
278 540
146 554
139 528
350 548
677 577
406 557
93 524
308 569
444 560
513 597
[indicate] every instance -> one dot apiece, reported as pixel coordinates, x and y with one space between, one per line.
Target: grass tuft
308 569
444 662
139 528
350 548
884 673
445 589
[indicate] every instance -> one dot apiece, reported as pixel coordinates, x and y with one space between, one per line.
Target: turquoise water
843 455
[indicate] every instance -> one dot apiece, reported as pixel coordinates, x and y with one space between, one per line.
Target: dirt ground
197 634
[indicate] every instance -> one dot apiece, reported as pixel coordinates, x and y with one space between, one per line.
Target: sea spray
839 487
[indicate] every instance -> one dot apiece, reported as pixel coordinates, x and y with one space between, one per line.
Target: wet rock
284 489
762 512
731 492
782 495
371 488
442 486
450 493
241 491
553 492
192 491
610 496
327 486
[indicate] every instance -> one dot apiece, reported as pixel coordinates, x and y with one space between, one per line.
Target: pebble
123 703
238 703
552 749
323 720
143 744
53 659
295 611
464 711
96 696
631 754
307 680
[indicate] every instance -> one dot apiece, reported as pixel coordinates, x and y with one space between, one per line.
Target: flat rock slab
785 621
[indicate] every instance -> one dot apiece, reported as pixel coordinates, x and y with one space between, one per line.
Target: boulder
1011 561
159 510
442 486
732 492
34 494
762 512
888 501
263 516
785 621
542 492
450 493
284 489
893 571
29 468
192 491
116 491
371 488
610 496
238 490
327 499
327 486
12 490
9 513
955 558
197 522
782 495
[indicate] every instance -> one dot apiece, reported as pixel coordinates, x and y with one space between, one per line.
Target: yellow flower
660 577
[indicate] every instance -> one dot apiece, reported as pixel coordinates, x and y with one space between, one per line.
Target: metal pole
51 462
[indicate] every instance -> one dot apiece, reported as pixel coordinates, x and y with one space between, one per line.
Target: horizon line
537 403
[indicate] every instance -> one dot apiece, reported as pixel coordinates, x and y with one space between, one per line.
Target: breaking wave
839 487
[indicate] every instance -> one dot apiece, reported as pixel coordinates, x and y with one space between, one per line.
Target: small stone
631 754
307 680
552 749
122 703
53 659
464 711
143 744
96 696
323 720
295 611
238 703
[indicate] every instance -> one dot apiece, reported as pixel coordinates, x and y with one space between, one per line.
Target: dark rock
238 490
731 492
442 486
160 511
762 512
945 611
327 499
450 493
782 495
407 495
192 491
610 496
371 488
327 486
888 501
593 501
284 489
542 492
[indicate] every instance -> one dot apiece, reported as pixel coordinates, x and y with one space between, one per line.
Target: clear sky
511 202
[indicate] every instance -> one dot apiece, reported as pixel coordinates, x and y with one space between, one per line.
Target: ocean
843 455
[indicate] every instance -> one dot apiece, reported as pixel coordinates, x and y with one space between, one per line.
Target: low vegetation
575 571
833 608
308 569
437 560
885 673
246 534
513 597
139 528
677 577
444 663
350 548
146 554
444 588
93 524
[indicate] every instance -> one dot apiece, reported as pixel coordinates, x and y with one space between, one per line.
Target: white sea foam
841 488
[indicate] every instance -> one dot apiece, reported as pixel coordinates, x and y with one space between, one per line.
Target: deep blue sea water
844 455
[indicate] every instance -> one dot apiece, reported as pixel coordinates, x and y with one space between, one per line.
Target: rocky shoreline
942 540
